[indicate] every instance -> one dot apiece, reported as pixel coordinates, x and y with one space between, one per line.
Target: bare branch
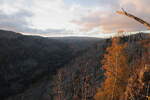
123 12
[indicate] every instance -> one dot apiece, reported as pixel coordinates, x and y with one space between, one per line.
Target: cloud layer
70 16
108 21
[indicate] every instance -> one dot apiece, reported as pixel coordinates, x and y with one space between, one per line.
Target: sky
71 17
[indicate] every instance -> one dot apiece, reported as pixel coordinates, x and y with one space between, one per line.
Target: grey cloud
18 22
109 23
112 22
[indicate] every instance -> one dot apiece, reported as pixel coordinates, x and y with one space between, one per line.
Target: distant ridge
8 34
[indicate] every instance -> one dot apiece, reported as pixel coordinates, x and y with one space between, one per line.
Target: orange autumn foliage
115 64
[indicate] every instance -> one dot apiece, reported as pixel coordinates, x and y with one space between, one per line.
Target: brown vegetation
126 77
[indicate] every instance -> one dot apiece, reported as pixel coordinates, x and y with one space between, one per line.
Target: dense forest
122 73
28 63
74 68
127 72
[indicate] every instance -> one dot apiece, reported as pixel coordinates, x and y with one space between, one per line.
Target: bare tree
58 88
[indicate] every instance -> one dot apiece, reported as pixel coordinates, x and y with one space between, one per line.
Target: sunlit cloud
108 21
74 17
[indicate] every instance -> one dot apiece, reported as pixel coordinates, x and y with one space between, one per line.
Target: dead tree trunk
123 12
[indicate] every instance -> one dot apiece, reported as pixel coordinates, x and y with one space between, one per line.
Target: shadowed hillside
25 60
33 68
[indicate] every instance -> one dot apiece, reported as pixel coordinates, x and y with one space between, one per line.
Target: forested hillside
106 76
74 68
127 69
26 62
